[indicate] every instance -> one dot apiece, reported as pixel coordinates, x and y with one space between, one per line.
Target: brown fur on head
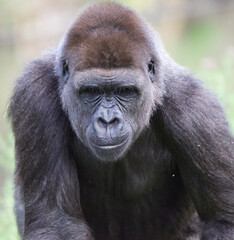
108 35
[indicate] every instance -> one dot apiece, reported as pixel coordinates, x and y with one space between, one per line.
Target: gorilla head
110 76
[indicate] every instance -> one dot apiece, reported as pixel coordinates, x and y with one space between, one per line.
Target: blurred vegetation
209 60
197 35
8 229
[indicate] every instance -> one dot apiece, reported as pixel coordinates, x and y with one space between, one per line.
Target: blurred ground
198 34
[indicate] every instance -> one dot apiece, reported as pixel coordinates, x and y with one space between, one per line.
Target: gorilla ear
151 70
65 70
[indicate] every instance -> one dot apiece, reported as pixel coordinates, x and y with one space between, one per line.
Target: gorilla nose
106 127
108 131
108 122
111 122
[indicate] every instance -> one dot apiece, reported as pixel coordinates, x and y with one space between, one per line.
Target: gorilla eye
151 69
65 70
90 93
93 90
128 91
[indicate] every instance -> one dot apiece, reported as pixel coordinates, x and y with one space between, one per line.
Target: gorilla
114 140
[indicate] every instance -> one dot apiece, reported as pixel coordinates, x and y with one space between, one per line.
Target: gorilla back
114 140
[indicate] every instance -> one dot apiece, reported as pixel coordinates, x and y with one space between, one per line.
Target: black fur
174 180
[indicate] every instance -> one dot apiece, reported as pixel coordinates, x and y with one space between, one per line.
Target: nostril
105 123
114 121
102 122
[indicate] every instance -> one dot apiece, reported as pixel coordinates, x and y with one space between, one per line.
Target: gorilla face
105 108
109 83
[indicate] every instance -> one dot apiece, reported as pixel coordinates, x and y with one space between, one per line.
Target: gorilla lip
109 147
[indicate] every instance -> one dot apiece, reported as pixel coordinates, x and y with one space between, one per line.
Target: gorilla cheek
72 109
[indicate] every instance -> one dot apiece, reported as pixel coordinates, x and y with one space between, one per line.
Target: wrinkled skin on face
111 103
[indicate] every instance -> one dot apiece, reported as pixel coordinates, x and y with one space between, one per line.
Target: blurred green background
198 34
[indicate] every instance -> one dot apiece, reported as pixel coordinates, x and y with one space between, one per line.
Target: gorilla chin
110 151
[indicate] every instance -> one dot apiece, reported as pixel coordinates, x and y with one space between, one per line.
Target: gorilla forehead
111 77
108 36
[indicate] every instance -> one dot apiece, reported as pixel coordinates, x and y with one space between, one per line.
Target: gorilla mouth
109 146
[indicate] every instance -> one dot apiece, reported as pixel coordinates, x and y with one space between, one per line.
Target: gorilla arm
45 170
195 121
